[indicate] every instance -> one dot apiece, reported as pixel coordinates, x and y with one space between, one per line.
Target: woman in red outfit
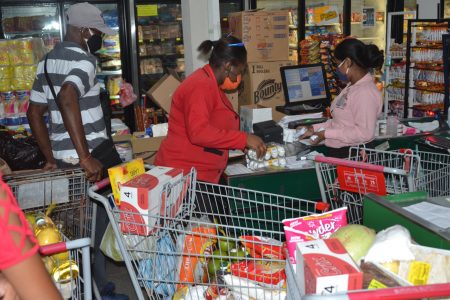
202 123
22 273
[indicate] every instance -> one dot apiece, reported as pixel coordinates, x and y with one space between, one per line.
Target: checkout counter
302 182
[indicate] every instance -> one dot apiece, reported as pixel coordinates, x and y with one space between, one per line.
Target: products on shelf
151 66
18 59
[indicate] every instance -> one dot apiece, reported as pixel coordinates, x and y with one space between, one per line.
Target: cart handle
100 184
64 246
394 293
356 164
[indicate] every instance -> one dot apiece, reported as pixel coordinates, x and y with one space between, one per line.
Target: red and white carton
143 201
325 267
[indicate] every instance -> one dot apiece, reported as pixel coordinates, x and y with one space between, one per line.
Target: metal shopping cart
73 212
179 256
344 182
395 293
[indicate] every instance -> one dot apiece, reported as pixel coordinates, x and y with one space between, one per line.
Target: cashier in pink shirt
356 109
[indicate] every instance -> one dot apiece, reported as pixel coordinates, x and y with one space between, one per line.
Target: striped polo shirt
69 63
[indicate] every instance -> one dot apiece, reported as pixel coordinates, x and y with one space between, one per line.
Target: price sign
148 10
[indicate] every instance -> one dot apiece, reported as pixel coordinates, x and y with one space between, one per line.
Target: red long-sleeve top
202 128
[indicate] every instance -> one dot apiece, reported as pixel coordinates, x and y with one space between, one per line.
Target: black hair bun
375 56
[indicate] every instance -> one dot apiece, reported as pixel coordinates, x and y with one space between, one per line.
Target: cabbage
356 239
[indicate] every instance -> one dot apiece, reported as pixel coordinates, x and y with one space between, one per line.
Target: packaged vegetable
317 226
263 247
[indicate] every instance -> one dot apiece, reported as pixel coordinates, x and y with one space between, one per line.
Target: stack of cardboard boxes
265 35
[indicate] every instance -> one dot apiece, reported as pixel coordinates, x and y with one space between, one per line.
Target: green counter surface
302 183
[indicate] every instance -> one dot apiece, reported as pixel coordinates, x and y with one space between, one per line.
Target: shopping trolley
344 182
66 190
186 251
395 293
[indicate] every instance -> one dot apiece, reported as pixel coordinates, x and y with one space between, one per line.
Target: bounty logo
266 90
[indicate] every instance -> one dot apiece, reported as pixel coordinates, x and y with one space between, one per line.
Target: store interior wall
197 28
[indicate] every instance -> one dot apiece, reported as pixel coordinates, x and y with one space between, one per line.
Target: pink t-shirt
14 231
355 112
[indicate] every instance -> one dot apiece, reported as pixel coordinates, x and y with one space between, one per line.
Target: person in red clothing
22 273
202 123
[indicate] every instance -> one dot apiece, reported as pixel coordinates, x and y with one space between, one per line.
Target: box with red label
325 267
143 200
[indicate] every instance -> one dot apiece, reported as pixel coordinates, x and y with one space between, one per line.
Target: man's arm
35 116
69 107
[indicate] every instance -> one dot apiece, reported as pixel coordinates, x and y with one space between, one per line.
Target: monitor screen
305 83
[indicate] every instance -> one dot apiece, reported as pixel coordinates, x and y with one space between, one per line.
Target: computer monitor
305 84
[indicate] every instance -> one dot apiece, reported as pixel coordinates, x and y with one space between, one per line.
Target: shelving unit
395 69
425 84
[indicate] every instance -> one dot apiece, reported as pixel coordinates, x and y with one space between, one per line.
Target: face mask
229 85
94 43
341 76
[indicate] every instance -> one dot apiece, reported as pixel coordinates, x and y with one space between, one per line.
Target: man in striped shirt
76 122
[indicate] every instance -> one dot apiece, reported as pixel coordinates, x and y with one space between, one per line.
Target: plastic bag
20 153
161 269
141 245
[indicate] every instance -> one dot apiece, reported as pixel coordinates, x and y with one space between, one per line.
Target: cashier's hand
256 143
93 169
320 137
309 131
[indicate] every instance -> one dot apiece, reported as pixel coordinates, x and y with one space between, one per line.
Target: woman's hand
320 137
309 131
256 143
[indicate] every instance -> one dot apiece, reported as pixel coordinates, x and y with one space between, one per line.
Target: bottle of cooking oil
60 265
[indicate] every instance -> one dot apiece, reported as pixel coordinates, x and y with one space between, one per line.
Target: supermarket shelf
360 23
109 73
31 32
292 27
425 90
435 47
178 39
398 57
331 24
426 69
177 55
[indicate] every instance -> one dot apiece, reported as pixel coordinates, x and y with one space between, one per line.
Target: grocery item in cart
325 267
142 200
123 173
312 227
357 239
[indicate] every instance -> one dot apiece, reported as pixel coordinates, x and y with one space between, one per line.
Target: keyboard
299 109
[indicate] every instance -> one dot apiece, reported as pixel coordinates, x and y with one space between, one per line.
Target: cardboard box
144 200
262 84
145 147
251 114
264 33
325 267
163 90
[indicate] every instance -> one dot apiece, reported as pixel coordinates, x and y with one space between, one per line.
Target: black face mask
94 43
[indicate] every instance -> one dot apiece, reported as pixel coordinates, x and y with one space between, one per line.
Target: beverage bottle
391 125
